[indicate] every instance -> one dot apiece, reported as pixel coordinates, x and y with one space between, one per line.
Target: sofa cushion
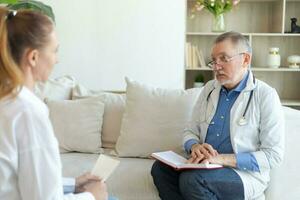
56 89
77 124
124 183
113 113
285 180
154 119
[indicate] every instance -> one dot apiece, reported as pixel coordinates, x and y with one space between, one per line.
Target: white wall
102 41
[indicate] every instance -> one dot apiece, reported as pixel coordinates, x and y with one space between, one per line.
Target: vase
218 24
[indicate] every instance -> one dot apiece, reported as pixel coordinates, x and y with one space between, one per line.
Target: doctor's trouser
212 184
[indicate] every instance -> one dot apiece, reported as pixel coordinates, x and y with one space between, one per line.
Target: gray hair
240 41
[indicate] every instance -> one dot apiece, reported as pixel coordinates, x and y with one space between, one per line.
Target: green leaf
8 1
33 5
219 6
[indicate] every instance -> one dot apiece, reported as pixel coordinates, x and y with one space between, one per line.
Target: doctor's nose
217 66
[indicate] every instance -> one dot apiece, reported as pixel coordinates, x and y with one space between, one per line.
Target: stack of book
193 57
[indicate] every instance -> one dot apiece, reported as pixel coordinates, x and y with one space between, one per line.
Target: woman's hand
98 189
84 179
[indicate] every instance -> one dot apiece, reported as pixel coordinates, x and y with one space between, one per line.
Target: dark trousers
213 184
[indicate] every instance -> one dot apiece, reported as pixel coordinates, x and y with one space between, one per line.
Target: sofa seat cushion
130 181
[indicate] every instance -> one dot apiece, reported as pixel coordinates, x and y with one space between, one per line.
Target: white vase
273 60
218 24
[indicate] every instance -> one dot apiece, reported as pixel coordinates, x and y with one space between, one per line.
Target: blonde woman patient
30 166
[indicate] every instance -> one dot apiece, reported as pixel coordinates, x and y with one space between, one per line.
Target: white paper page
104 166
171 157
178 161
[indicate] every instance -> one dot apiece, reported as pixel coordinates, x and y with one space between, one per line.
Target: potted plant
29 4
199 81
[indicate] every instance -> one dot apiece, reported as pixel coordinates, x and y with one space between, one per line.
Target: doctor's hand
228 160
202 152
80 181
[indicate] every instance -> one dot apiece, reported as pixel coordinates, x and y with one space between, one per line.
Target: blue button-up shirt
218 132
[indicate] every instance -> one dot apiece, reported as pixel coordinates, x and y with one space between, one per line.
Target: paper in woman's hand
104 167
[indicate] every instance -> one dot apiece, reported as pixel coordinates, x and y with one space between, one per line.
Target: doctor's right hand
98 189
200 152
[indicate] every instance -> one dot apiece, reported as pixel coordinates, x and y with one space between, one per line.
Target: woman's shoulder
25 101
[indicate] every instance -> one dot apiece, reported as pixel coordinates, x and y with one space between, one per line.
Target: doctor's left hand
228 160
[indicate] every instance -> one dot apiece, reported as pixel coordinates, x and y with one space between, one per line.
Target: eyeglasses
222 60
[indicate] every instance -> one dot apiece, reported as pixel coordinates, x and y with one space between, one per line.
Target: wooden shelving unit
265 23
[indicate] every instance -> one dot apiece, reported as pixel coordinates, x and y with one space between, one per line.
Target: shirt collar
243 83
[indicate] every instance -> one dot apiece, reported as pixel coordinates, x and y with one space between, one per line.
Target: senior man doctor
238 123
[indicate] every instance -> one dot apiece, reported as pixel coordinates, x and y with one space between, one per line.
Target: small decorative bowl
294 61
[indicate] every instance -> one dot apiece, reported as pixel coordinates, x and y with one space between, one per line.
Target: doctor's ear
247 59
32 56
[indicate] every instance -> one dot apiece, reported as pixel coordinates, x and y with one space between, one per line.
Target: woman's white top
30 166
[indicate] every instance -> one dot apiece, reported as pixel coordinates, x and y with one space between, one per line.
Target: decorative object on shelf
273 57
217 8
199 81
218 24
30 4
294 27
294 61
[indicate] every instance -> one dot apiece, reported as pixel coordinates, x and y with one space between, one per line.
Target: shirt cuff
69 185
246 162
188 145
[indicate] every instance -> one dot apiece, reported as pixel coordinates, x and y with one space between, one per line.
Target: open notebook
179 163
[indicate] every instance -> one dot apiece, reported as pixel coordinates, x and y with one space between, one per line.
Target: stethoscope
242 121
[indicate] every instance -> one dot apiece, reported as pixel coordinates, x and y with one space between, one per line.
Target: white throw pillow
56 89
77 124
154 119
113 113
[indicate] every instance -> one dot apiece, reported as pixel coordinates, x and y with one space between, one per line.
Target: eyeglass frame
213 63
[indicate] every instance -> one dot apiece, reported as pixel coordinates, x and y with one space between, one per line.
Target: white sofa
132 179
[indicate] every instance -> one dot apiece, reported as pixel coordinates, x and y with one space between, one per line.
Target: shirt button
218 135
245 168
212 123
222 117
227 99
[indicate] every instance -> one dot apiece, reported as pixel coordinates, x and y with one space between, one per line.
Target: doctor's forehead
223 48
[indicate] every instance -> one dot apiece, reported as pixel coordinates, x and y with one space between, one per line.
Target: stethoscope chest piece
242 121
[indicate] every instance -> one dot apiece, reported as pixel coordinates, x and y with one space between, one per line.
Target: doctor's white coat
262 135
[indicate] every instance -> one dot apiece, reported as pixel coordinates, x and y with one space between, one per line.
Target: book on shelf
104 166
188 58
178 162
195 62
193 56
200 58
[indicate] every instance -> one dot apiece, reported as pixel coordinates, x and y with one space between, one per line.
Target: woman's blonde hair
19 31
